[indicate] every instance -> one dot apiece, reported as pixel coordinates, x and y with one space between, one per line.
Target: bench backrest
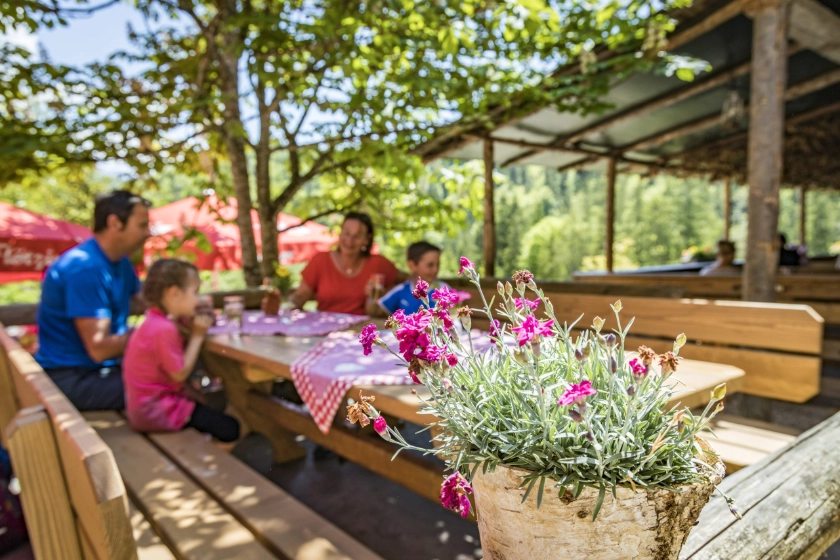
94 490
796 287
777 345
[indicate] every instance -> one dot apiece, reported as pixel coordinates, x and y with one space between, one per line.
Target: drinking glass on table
234 308
205 306
377 283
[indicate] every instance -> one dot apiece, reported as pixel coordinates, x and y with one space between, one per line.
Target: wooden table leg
283 442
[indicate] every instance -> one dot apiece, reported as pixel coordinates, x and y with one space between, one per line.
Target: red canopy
29 242
216 220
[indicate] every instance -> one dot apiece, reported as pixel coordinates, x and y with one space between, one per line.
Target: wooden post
489 211
727 210
767 113
803 194
610 212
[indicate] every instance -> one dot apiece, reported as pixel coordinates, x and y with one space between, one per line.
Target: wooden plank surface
741 442
187 516
8 399
270 357
787 377
97 492
283 524
149 544
44 497
795 287
789 502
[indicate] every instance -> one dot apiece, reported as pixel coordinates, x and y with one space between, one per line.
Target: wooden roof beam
789 123
454 139
793 92
816 27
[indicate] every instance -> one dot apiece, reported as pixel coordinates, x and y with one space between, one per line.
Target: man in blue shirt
85 304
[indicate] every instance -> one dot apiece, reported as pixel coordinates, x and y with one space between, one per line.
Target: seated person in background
787 257
723 265
423 260
156 364
340 280
85 305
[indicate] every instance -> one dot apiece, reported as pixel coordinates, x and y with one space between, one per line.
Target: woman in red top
339 280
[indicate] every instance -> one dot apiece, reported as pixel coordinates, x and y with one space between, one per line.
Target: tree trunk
268 221
767 110
235 144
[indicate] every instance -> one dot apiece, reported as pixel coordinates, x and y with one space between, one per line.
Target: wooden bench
779 346
98 490
789 503
741 442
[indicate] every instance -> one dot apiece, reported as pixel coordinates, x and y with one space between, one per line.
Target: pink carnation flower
495 330
521 302
446 297
531 329
577 393
432 353
453 494
380 425
368 338
412 333
452 360
638 368
421 289
465 264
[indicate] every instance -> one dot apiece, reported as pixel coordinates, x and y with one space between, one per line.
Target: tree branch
314 217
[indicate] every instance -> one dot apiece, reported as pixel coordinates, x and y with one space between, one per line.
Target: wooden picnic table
249 365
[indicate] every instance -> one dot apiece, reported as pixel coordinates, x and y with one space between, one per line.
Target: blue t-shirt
82 283
400 297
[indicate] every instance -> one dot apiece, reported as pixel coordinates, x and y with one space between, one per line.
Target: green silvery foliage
500 407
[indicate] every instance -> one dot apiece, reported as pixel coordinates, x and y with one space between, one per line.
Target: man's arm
99 343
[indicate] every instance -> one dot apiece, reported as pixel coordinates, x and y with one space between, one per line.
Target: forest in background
551 223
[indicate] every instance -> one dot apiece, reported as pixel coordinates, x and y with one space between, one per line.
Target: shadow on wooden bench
187 498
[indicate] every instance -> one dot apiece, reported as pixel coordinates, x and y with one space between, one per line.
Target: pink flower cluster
577 393
368 338
446 297
415 342
531 329
453 494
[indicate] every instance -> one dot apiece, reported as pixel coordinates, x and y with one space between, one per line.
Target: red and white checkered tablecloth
324 374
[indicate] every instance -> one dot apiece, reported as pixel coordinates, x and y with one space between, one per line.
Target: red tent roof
216 220
30 242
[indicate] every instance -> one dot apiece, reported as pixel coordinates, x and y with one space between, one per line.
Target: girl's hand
200 324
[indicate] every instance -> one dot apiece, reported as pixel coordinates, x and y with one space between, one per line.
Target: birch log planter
646 524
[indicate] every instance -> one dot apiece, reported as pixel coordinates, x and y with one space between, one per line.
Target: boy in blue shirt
423 260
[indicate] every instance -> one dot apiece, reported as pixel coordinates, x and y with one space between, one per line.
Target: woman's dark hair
416 251
164 274
365 219
119 203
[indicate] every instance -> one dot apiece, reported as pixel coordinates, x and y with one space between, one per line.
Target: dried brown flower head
358 411
646 355
464 311
523 277
668 362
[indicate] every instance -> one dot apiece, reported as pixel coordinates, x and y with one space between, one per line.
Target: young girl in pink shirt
156 363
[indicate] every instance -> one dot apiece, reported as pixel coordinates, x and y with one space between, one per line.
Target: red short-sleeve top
334 291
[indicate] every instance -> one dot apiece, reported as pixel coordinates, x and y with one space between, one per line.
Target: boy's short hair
416 251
